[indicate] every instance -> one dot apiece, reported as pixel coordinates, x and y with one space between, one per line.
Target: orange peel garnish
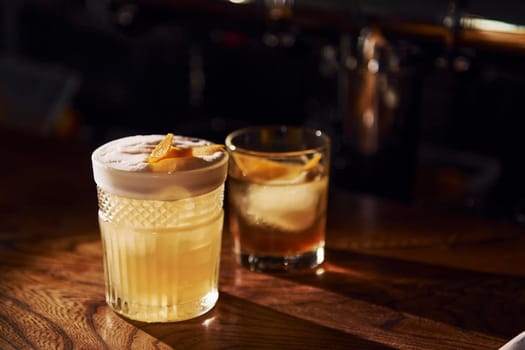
312 163
165 156
264 169
162 149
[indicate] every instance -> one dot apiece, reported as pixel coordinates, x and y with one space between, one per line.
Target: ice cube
288 208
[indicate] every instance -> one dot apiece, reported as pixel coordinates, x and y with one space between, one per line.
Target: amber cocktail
277 190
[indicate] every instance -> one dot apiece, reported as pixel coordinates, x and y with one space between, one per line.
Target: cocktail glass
161 227
277 194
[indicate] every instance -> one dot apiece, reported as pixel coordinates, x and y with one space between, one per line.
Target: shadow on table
476 301
237 323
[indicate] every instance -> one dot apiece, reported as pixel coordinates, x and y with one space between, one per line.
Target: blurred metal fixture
371 99
481 31
241 1
279 9
373 87
496 25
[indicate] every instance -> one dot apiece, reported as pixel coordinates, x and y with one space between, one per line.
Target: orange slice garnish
178 152
312 163
265 169
162 149
260 168
165 156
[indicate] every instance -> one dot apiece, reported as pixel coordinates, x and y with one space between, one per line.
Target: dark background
96 70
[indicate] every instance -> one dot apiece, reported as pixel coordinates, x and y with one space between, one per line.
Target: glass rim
231 147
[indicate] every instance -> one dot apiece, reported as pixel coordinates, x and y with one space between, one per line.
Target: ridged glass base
167 313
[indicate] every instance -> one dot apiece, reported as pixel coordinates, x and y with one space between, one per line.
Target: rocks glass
277 194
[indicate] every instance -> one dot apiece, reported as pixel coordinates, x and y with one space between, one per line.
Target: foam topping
122 167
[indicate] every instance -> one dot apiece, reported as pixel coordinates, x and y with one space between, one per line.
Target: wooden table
395 276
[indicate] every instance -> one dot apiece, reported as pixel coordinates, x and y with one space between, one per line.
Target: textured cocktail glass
161 237
277 192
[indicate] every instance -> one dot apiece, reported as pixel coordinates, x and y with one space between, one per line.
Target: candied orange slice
165 149
162 149
178 152
165 156
265 169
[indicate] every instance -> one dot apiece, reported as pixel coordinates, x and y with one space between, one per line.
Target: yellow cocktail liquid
161 258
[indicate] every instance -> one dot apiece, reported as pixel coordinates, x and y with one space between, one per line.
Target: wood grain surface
396 277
